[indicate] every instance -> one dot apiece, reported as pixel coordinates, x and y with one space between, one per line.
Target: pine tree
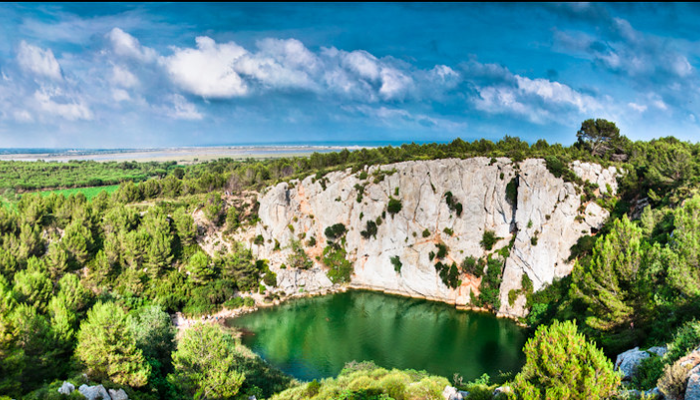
561 364
107 347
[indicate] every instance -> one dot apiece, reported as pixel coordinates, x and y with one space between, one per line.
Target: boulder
692 389
67 388
118 394
629 361
658 350
94 392
451 393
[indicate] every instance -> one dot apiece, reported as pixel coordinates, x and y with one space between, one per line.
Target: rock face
94 392
628 362
544 221
451 393
118 394
67 388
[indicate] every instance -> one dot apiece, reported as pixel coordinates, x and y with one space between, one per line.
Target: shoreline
182 322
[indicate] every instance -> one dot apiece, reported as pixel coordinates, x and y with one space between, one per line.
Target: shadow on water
314 337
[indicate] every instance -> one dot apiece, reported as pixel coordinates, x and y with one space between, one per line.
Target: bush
672 383
562 364
512 191
340 269
512 296
394 206
426 233
370 230
442 251
473 266
396 262
488 240
687 338
334 232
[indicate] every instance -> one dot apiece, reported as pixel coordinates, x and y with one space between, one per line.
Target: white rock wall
548 202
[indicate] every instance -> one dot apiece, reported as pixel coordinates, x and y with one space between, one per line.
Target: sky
161 75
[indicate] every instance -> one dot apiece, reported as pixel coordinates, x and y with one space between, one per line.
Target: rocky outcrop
543 221
118 394
67 388
94 392
628 362
451 393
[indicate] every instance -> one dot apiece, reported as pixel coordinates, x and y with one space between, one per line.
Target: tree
186 228
600 135
562 364
611 285
155 336
108 348
205 364
200 267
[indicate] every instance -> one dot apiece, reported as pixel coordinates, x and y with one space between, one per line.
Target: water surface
313 338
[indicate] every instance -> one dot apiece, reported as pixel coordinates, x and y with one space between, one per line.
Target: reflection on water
314 337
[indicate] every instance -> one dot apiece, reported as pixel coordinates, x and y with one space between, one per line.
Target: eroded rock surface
544 221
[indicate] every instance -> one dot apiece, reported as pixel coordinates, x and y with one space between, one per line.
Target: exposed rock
118 394
503 390
692 389
546 212
451 393
653 393
67 388
629 361
94 392
658 350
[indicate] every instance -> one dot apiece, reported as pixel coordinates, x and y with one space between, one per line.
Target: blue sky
151 75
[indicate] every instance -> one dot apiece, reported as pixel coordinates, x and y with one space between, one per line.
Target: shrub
526 284
259 240
672 383
512 191
473 266
512 296
311 242
453 204
334 232
426 233
370 230
488 240
687 338
396 262
394 205
340 268
562 364
442 251
448 231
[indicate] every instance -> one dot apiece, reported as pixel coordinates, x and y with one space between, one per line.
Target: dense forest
87 286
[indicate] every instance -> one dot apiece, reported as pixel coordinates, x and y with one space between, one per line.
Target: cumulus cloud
38 61
123 77
182 109
123 44
207 71
53 102
539 100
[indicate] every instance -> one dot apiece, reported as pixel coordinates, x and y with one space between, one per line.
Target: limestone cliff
545 208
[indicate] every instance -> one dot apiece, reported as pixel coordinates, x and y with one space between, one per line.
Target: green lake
314 337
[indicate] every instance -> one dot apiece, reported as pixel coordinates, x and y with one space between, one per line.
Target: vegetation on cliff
85 285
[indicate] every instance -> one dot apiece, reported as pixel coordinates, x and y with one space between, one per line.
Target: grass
89 192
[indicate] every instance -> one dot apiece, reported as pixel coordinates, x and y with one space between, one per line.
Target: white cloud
39 62
397 117
120 95
182 109
126 45
208 70
69 110
555 92
123 77
637 107
22 116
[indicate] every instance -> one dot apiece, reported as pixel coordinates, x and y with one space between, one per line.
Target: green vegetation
366 381
335 232
340 269
453 204
562 364
394 206
488 240
512 191
370 230
75 263
396 262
